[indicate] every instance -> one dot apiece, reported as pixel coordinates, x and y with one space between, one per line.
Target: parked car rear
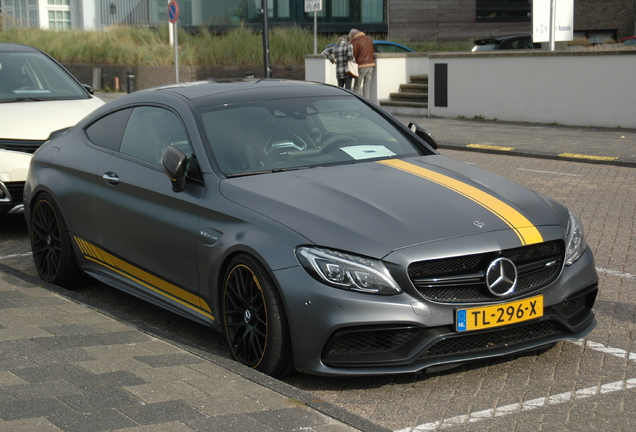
506 43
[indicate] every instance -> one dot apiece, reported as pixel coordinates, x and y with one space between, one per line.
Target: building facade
414 20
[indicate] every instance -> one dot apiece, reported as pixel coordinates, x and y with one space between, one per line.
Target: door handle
111 178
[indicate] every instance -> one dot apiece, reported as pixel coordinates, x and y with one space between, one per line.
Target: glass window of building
503 10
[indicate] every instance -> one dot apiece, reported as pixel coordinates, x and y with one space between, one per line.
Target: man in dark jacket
363 53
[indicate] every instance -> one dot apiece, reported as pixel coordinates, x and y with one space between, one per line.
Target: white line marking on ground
541 402
614 272
617 352
16 255
550 172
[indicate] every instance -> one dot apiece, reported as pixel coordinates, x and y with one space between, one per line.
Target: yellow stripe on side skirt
166 289
525 230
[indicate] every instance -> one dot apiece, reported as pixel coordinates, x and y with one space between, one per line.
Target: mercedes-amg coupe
310 227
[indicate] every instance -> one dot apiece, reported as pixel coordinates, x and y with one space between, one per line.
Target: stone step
414 88
419 79
392 103
404 96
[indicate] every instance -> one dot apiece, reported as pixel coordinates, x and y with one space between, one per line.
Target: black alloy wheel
254 318
51 245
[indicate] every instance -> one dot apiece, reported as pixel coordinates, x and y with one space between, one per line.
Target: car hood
376 207
36 120
14 165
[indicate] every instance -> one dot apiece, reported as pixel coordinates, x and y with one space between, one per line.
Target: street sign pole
315 32
266 66
314 6
173 16
176 51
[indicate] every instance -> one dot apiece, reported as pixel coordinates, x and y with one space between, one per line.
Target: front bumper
338 332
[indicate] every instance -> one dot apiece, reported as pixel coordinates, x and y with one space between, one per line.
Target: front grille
28 146
466 343
463 279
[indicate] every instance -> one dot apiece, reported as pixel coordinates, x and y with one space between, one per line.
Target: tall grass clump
436 46
138 46
119 45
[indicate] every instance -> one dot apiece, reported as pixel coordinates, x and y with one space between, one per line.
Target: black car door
147 230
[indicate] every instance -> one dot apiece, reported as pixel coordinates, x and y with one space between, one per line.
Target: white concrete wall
319 69
394 69
579 88
391 70
583 89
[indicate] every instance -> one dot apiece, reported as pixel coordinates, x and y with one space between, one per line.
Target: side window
107 131
149 131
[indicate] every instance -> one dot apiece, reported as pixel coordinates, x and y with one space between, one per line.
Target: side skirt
113 271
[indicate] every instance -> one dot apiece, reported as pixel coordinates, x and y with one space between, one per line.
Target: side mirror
88 88
174 164
423 133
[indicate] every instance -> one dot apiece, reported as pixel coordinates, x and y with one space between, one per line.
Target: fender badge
479 224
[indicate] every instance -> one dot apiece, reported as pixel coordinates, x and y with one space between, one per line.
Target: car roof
198 89
499 39
212 92
383 42
12 47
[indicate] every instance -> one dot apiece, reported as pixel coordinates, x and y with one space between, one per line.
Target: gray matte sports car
310 227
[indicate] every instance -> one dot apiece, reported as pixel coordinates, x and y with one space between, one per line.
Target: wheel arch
224 267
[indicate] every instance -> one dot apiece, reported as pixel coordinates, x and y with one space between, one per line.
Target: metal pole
176 51
552 24
315 32
268 69
130 81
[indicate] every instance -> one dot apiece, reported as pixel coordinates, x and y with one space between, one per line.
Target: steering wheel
330 143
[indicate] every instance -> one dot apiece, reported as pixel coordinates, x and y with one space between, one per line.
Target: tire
254 318
51 245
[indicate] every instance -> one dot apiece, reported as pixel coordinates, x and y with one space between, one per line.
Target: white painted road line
550 172
614 273
16 255
617 352
542 402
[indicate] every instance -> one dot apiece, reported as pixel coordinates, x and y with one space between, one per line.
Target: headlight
575 240
346 271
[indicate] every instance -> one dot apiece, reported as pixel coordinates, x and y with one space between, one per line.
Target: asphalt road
589 385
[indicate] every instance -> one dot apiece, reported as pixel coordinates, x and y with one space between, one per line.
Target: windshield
33 76
298 133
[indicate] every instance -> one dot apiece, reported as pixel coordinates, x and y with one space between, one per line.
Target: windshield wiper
250 173
275 170
23 99
291 169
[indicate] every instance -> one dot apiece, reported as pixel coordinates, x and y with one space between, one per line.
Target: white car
37 97
14 167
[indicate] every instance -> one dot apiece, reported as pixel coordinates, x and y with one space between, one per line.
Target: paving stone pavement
67 367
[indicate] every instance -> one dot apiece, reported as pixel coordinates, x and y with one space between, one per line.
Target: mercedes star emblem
501 277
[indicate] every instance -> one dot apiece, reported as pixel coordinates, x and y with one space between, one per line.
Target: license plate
479 318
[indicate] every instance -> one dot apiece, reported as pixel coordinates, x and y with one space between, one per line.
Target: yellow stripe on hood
525 230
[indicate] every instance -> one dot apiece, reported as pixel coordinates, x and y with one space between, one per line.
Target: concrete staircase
411 99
